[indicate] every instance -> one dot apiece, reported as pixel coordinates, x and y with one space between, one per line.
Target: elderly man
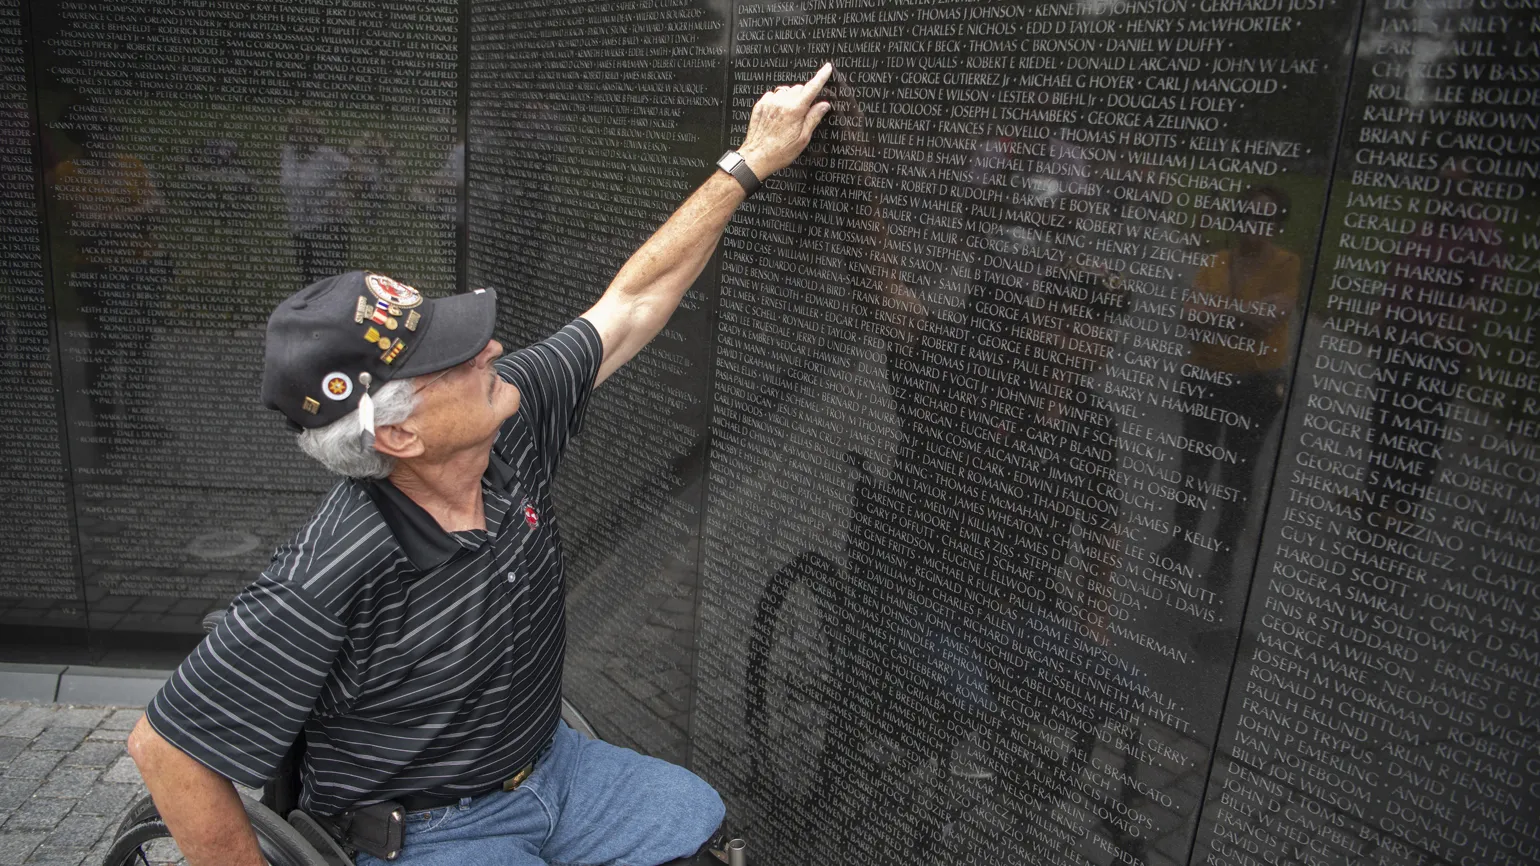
413 629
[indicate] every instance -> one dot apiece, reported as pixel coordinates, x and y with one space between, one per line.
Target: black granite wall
1033 388
1383 704
1113 442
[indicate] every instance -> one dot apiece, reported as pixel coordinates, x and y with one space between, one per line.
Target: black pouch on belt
376 830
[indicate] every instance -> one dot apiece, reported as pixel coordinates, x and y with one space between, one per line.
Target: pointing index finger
815 84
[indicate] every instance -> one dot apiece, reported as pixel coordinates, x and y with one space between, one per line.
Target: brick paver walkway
66 781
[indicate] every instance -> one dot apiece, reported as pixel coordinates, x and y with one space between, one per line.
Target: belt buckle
518 778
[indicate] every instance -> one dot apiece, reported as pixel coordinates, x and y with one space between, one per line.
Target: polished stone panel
1383 707
199 164
589 123
998 369
1114 441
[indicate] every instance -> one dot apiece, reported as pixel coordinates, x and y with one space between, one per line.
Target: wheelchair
142 838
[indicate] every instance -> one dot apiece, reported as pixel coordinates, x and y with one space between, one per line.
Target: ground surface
66 781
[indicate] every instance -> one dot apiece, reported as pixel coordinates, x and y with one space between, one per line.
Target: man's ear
398 441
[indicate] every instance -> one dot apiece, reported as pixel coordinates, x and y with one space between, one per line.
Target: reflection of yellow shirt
1274 277
111 202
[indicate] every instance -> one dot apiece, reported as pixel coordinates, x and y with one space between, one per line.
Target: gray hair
341 445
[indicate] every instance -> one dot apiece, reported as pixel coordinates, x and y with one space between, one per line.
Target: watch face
730 160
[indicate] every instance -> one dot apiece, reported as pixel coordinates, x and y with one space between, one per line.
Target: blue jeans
587 803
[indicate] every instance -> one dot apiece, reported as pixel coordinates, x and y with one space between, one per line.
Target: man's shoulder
344 545
515 442
554 378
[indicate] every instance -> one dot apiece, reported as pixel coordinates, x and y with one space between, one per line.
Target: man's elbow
147 747
648 314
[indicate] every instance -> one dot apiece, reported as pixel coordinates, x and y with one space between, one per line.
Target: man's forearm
658 274
648 288
200 807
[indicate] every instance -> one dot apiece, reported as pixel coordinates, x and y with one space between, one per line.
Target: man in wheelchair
413 630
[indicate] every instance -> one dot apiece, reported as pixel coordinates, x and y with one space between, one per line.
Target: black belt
425 802
380 829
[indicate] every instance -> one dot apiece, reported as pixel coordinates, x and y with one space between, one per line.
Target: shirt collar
499 473
423 541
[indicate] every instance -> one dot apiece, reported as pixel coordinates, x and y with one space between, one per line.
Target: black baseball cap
324 336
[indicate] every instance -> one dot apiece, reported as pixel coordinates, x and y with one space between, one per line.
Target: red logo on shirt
530 515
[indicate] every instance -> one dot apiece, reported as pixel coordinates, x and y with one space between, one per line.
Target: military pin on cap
366 408
336 386
394 293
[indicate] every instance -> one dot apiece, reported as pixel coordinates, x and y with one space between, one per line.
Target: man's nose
489 353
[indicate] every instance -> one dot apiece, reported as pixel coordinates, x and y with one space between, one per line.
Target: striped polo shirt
415 660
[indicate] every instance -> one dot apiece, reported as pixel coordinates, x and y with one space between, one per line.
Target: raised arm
644 294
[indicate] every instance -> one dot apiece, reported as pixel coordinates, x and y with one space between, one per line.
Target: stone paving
66 782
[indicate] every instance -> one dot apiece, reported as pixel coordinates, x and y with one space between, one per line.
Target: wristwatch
733 163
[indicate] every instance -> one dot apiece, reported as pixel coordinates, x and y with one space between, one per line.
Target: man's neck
448 489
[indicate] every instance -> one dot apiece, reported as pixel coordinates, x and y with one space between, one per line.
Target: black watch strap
733 163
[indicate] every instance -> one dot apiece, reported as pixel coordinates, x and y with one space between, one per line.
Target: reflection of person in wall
1248 291
115 214
312 176
1431 294
115 207
997 518
413 630
439 193
218 192
16 292
827 756
372 166
224 187
1061 543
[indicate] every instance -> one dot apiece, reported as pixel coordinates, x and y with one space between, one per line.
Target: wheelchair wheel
143 839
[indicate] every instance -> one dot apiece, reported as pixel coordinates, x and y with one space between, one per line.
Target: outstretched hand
783 122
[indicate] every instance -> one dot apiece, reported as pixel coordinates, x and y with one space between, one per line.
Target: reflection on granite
1000 369
1383 706
191 182
1113 442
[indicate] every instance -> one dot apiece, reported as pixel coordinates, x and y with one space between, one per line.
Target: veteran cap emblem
392 292
336 386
